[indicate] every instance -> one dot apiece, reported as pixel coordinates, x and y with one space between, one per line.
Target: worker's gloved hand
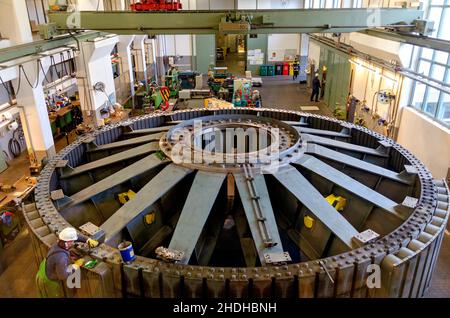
79 262
92 243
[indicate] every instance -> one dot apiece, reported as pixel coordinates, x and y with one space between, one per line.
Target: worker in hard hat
316 88
57 266
296 69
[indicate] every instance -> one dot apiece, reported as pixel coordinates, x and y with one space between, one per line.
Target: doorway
231 52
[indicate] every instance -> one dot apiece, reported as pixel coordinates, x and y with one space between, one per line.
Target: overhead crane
404 25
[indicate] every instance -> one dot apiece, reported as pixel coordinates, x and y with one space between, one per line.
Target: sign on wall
255 57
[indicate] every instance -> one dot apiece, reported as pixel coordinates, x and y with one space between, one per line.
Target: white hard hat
68 234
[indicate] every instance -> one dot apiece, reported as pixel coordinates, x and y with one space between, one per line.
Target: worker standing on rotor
56 267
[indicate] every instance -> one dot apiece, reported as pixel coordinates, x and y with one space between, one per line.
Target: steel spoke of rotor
200 200
208 240
146 164
259 213
343 145
313 200
128 142
148 131
160 236
357 163
116 158
145 198
341 179
247 244
326 133
295 123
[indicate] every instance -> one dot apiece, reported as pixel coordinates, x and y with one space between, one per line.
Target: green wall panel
205 45
260 42
338 77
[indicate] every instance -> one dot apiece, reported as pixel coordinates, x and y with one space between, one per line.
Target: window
435 15
418 94
444 110
445 27
431 102
441 57
434 101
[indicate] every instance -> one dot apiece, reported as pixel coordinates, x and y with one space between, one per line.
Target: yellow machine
126 196
338 203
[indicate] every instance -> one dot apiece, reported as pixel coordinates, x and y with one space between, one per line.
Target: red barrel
285 68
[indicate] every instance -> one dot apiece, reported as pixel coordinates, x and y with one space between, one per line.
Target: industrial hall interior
239 149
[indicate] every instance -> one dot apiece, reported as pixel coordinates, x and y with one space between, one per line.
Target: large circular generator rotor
255 202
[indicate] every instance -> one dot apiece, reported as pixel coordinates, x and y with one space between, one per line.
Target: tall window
435 64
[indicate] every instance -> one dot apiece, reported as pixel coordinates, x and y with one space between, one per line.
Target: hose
38 71
14 147
6 156
16 142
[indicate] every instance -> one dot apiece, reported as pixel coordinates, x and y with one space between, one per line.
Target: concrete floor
17 264
277 91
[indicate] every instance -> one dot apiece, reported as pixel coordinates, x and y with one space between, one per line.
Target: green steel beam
414 39
36 47
262 21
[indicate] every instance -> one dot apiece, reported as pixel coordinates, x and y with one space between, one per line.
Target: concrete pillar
90 5
94 67
304 49
139 58
150 50
115 5
127 76
160 51
14 23
33 111
347 4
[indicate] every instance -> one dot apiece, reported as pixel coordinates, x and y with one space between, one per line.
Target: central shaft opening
233 139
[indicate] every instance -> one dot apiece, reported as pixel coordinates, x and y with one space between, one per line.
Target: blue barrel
127 252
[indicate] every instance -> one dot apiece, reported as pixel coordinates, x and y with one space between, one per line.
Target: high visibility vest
48 288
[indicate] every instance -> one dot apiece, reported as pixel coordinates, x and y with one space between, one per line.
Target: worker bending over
56 267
